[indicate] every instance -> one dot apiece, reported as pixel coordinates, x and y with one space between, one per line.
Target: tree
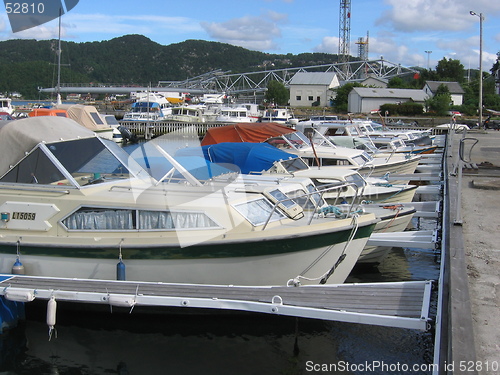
440 102
342 98
277 93
450 70
397 83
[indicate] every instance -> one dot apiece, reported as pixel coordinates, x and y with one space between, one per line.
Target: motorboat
389 203
320 152
235 114
188 113
85 115
6 105
76 205
280 116
149 106
394 217
380 145
366 128
264 159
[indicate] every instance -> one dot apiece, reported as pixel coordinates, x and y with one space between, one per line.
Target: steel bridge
252 82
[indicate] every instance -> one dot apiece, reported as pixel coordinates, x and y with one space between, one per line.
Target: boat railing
318 200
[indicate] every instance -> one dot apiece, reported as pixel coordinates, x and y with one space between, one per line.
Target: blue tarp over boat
249 157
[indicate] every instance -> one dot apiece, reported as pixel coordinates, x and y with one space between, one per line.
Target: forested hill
26 65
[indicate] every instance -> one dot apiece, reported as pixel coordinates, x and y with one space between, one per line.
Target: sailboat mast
58 87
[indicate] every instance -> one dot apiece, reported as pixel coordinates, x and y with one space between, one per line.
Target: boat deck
400 304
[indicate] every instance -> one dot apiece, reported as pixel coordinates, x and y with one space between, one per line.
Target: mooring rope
323 278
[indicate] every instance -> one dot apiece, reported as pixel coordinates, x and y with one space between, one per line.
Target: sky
406 32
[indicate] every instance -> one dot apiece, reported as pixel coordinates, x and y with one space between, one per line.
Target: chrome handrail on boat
324 189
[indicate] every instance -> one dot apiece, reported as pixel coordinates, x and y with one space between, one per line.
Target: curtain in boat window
100 220
122 219
172 220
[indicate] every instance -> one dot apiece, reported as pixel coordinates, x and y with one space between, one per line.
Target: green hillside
26 65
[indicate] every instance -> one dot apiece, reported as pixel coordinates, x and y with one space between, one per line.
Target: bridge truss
236 83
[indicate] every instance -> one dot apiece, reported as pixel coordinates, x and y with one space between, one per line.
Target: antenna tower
344 32
363 47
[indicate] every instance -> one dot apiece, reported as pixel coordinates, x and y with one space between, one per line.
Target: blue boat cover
248 157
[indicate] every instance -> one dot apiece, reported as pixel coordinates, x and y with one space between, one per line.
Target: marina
406 304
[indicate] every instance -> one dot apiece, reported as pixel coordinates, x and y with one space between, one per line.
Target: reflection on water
122 343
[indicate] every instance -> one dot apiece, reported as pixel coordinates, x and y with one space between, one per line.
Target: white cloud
330 44
257 33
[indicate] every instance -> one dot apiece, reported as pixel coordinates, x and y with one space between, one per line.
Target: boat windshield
76 163
293 165
356 179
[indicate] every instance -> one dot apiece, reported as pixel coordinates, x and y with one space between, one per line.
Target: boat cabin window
36 168
326 161
97 219
293 165
97 119
307 201
258 211
356 179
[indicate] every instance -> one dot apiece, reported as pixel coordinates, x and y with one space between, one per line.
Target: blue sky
399 30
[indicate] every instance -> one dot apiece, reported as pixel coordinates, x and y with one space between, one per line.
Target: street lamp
481 18
428 56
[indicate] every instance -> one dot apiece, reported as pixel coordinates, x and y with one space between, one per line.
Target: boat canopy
249 157
86 115
58 151
244 132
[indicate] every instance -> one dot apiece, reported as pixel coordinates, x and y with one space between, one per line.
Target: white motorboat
279 116
75 205
319 153
264 159
235 114
6 105
149 106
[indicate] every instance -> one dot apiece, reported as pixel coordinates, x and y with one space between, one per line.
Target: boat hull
395 220
269 260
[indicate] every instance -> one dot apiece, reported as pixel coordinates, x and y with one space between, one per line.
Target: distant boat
149 107
6 105
235 114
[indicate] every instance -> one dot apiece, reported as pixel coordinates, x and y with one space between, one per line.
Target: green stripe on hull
201 251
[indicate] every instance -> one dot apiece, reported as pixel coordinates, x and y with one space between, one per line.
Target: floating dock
401 304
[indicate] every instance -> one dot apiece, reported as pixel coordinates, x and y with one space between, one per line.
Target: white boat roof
20 136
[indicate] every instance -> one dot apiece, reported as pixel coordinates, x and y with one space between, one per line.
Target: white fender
51 312
121 300
19 295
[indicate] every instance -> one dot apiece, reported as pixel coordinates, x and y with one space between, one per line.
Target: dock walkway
400 304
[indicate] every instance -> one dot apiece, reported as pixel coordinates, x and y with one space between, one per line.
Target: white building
367 99
312 88
456 91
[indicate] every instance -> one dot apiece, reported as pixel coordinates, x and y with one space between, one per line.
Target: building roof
373 92
313 78
453 87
